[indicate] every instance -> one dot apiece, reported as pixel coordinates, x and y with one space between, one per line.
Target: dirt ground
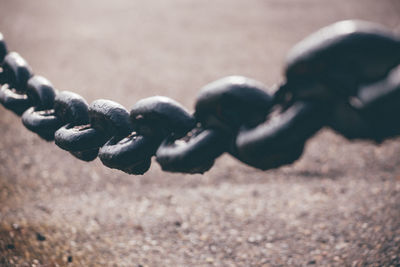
339 205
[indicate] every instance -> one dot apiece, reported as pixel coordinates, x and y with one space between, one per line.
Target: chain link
345 76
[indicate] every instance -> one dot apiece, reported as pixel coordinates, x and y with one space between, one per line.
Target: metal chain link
345 76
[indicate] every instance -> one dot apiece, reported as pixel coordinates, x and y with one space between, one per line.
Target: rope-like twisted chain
345 76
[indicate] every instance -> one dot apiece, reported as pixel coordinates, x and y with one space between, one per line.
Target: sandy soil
339 205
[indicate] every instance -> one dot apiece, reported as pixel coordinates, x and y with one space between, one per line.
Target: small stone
40 237
16 226
138 228
254 239
203 237
209 260
269 245
10 246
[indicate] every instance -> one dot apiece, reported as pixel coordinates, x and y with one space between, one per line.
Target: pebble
40 237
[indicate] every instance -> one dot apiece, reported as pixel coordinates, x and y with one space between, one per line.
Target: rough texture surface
337 206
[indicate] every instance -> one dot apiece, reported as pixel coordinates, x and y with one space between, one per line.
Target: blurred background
339 205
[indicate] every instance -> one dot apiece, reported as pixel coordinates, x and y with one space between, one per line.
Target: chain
345 76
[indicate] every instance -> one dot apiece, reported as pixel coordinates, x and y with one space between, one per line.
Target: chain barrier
345 76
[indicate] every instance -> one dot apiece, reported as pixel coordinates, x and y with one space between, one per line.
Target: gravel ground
339 205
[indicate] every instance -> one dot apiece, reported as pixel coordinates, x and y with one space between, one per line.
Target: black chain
345 76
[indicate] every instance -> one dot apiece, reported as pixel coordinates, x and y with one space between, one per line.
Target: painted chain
345 76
